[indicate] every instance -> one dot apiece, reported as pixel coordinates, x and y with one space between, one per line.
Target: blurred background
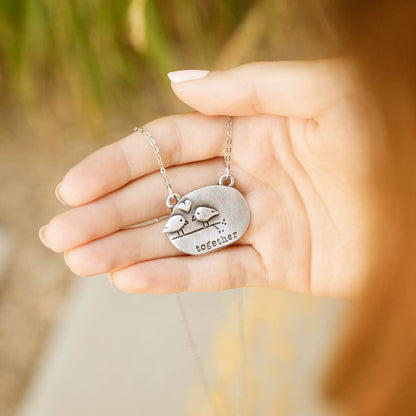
76 75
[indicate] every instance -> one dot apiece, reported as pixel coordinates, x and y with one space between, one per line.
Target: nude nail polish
58 195
42 236
187 75
111 278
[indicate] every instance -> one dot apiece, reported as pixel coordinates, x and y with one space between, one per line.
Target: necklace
203 221
209 218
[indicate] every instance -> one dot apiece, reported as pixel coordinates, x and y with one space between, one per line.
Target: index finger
302 89
180 139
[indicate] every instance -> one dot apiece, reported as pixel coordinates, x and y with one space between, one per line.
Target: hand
300 156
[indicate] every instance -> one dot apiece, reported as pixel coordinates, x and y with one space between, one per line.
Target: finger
120 249
232 267
293 89
139 201
181 139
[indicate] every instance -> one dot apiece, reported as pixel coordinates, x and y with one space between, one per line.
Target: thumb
294 89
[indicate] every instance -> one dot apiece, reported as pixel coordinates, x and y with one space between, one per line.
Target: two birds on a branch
177 222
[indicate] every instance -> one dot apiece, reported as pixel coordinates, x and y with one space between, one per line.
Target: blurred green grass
97 51
91 60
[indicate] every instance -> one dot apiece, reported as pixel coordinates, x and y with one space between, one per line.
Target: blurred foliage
97 50
91 58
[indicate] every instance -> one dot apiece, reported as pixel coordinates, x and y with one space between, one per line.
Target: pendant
208 219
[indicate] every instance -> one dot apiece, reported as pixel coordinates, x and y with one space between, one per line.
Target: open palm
300 157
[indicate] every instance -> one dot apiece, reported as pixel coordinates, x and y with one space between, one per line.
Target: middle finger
139 201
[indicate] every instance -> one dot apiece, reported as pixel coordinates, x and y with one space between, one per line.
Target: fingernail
42 236
187 75
58 195
111 278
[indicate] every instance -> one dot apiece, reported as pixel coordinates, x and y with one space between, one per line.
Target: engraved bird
204 214
175 224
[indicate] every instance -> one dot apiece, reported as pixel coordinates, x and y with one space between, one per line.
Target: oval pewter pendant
208 219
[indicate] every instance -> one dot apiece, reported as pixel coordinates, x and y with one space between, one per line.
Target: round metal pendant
208 219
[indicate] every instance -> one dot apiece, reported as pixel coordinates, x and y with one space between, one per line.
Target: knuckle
176 143
84 262
255 96
73 262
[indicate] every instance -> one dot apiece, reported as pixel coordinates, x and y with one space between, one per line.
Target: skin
301 155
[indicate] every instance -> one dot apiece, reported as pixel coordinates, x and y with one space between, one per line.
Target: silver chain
172 196
227 156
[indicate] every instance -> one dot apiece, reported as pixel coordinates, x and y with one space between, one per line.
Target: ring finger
119 250
139 201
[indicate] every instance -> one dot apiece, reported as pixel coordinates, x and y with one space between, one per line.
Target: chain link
152 142
227 156
227 159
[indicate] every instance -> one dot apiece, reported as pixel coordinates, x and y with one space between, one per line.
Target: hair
374 369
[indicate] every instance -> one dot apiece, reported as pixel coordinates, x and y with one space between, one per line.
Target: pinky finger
230 268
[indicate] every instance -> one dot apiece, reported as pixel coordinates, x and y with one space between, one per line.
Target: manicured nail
58 195
42 236
187 75
111 278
